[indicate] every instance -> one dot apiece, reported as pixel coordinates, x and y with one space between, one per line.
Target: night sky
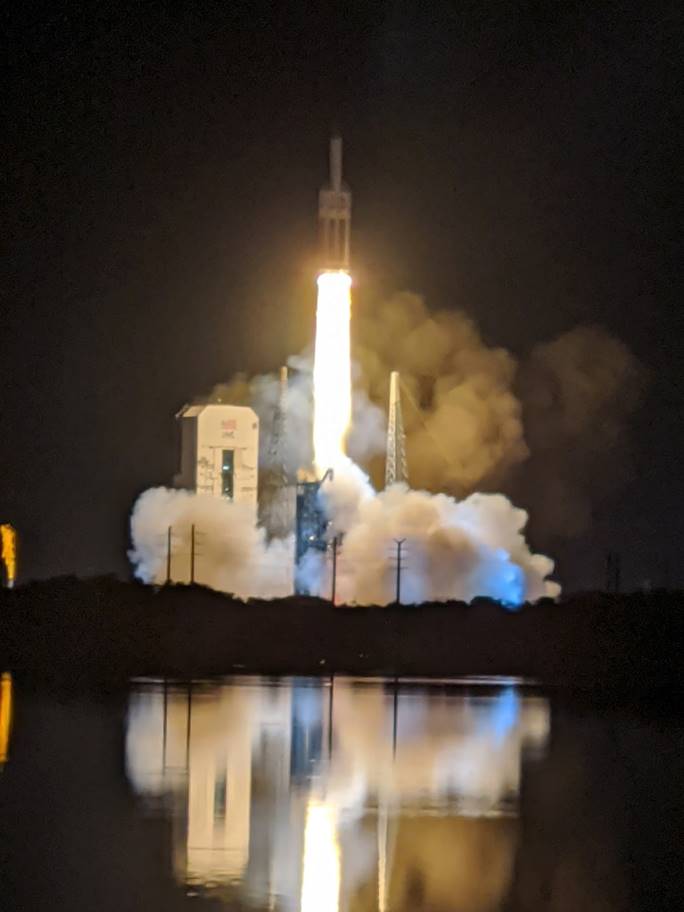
519 161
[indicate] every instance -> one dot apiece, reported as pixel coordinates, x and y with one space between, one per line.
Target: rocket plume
332 371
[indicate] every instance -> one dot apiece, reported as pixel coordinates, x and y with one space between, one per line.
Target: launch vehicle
334 213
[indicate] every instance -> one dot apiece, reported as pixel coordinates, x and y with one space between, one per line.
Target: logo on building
228 427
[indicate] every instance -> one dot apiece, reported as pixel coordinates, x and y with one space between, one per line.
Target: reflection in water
321 868
320 796
5 714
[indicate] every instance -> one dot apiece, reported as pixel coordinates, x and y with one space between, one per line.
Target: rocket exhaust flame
332 371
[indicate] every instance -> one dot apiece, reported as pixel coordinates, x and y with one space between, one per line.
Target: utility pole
168 555
192 553
399 542
334 569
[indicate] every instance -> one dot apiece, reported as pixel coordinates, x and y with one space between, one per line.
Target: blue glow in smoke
503 580
513 586
505 713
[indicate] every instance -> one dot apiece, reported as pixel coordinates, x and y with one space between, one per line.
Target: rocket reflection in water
306 796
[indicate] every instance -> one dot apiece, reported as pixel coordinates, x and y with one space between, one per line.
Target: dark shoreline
71 633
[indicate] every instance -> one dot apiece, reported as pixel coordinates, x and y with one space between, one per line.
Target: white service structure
219 451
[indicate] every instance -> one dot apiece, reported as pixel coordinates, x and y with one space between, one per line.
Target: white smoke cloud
232 554
452 550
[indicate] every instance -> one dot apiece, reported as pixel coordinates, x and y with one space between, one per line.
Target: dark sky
517 160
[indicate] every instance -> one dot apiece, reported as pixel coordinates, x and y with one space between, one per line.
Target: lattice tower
396 468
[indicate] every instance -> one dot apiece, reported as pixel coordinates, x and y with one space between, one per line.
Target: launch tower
312 522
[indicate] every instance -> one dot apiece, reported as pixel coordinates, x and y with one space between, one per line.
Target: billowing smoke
231 553
451 550
262 394
366 438
550 429
578 392
446 549
462 418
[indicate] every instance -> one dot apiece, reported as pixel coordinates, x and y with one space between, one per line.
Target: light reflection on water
326 796
5 715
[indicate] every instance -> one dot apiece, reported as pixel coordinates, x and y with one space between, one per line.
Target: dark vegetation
73 632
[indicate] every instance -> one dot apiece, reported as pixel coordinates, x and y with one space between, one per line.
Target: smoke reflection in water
323 796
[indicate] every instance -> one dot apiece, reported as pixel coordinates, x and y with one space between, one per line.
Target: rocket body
334 214
332 362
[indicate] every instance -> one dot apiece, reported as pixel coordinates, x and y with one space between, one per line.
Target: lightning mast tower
396 467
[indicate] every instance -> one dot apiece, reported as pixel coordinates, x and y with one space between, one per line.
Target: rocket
334 214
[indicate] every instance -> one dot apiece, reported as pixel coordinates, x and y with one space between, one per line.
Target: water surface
337 796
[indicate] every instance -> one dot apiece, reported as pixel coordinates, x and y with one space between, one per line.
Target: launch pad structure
311 524
220 442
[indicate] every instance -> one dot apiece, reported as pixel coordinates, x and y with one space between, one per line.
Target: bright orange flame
8 540
332 370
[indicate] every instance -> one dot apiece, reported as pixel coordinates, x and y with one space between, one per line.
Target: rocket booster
334 213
